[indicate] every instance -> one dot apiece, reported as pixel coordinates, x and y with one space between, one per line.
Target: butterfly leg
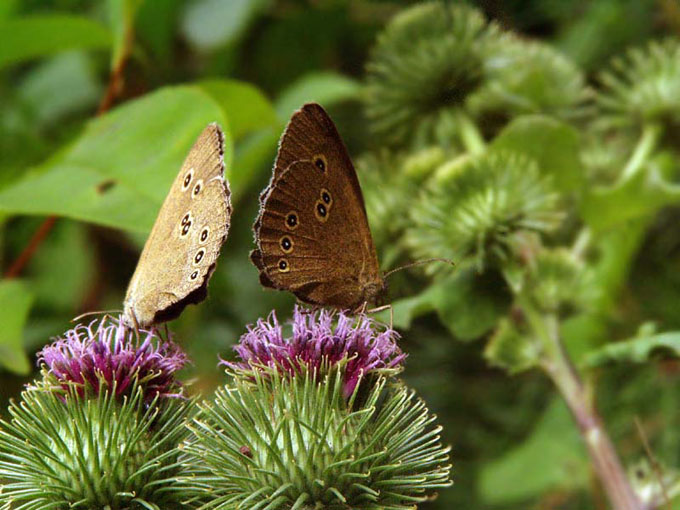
307 308
134 319
361 310
381 309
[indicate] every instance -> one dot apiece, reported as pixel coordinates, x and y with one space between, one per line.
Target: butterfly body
182 249
312 233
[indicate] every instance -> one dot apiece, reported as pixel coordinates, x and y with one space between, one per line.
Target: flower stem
582 242
559 368
472 139
644 147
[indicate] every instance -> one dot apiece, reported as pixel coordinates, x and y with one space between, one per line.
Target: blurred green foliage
545 148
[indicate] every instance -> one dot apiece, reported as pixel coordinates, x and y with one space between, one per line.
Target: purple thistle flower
107 355
317 341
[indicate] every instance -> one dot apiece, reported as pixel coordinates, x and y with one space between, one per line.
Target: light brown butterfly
181 252
312 232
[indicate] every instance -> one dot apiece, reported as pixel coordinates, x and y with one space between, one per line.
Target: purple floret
318 339
105 354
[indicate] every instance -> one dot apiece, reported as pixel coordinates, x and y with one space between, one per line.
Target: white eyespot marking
283 266
193 276
320 162
205 234
198 257
188 177
197 188
292 220
185 224
321 211
286 244
326 197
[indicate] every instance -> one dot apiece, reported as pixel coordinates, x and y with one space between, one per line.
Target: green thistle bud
642 86
557 282
387 181
474 205
525 77
286 434
426 63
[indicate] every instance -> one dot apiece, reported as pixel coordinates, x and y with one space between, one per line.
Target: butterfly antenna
96 312
418 263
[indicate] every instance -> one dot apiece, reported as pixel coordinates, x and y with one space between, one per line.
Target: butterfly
181 252
312 233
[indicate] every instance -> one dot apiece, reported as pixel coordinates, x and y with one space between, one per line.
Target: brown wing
181 252
310 133
313 237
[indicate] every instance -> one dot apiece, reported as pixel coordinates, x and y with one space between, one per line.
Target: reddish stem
23 258
603 455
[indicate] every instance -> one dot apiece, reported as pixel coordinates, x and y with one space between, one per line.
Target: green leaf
553 144
636 350
209 24
641 195
63 270
7 8
245 105
467 303
326 88
15 303
38 36
553 457
118 172
70 73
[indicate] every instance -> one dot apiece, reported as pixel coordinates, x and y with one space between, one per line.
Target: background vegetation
535 143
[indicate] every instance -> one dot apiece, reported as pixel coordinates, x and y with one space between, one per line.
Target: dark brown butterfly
312 233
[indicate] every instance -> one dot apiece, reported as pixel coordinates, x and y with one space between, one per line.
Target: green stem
582 242
559 368
645 146
472 139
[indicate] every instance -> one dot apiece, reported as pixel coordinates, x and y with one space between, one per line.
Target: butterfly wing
311 133
331 260
181 252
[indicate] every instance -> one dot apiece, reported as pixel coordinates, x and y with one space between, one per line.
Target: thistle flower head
319 342
105 355
279 442
108 439
643 85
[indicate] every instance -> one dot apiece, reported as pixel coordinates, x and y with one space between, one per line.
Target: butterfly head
374 291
